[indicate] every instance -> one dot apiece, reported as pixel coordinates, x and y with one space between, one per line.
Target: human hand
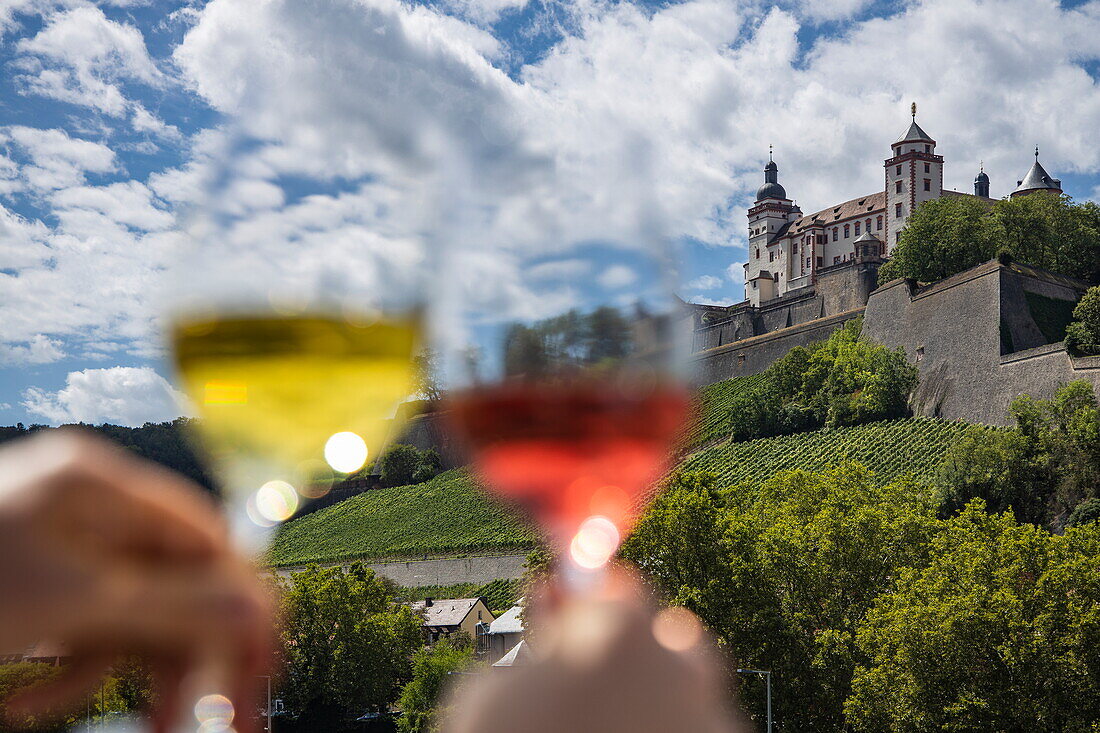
111 555
608 662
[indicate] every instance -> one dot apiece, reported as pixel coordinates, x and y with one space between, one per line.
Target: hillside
445 516
449 515
892 448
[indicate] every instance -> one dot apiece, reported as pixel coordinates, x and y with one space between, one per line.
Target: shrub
421 696
1083 335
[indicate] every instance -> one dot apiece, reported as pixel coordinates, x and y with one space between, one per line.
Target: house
445 617
519 656
504 633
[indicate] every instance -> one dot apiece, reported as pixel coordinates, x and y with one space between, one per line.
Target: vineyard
712 410
444 516
892 448
449 515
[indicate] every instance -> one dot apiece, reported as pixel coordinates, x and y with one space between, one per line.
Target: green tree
20 676
941 237
420 698
399 464
843 380
948 235
1083 335
1001 468
1000 631
785 572
347 644
426 371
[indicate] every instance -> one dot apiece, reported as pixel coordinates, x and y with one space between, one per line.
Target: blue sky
111 113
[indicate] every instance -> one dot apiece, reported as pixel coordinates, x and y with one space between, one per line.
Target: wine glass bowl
567 404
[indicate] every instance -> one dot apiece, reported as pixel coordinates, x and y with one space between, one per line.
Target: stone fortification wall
837 290
439 571
954 331
754 355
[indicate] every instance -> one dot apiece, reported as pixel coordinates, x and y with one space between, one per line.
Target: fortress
979 337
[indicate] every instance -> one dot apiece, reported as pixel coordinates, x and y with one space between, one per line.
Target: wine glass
293 330
564 374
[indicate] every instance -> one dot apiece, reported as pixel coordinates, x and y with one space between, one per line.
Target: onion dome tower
1037 179
981 183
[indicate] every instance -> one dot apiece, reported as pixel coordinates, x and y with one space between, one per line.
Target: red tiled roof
869 204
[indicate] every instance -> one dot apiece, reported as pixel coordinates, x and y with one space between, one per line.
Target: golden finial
913 109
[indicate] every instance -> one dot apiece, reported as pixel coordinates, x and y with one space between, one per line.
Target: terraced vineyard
893 448
445 516
449 515
713 403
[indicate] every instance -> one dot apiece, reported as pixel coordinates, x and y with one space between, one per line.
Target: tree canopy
347 644
951 234
1083 335
844 380
1041 469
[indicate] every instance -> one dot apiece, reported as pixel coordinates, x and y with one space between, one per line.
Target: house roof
868 204
445 612
868 237
519 656
508 622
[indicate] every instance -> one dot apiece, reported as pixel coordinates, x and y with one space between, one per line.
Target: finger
130 504
62 693
168 674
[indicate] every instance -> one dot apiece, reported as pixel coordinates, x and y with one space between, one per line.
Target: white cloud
821 10
81 56
121 395
736 273
128 202
707 300
55 159
705 282
145 121
484 12
617 276
39 350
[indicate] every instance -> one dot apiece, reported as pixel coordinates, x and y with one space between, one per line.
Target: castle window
794 248
897 187
878 223
899 170
897 237
836 231
928 148
868 225
819 261
771 256
927 184
757 253
927 168
847 231
897 210
857 228
836 260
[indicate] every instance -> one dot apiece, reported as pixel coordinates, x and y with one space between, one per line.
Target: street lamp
268 678
768 678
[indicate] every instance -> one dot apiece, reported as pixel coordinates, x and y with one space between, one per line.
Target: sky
113 114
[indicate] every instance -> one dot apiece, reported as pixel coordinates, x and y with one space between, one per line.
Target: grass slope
445 516
449 515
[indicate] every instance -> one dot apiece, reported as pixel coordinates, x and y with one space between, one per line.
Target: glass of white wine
293 329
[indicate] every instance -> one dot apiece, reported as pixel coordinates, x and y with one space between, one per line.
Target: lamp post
267 677
768 679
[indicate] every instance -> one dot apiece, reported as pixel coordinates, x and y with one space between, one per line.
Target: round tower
1037 179
981 183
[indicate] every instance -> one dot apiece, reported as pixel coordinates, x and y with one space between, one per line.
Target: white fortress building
788 249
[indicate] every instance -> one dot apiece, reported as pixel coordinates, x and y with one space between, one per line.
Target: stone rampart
438 571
